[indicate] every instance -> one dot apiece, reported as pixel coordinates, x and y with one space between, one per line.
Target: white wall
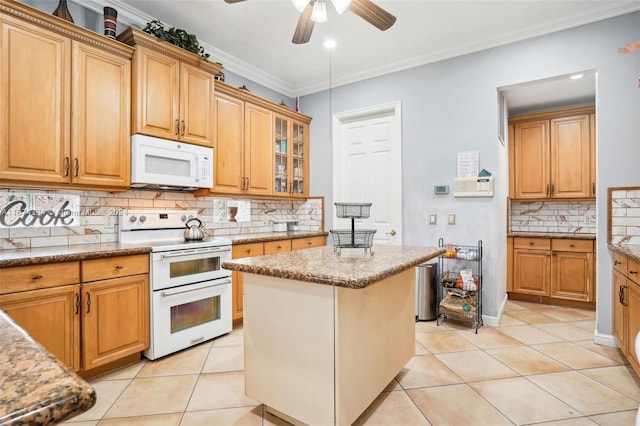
451 106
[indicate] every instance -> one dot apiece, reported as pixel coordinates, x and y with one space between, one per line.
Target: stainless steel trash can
426 292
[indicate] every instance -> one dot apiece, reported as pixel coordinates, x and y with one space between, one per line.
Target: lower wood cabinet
115 311
87 313
553 269
626 306
258 249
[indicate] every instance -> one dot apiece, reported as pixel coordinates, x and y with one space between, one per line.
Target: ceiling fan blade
304 27
373 14
233 1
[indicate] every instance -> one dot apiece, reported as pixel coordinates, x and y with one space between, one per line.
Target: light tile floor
540 366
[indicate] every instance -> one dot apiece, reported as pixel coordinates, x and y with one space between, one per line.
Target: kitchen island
325 334
36 388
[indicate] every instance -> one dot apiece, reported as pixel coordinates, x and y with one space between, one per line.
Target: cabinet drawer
114 267
532 243
33 277
247 250
302 243
620 263
581 246
277 246
633 269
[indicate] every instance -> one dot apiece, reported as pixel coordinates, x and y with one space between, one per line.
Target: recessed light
576 76
329 43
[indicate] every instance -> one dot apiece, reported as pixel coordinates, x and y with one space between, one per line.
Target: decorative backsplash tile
20 210
98 211
625 216
554 216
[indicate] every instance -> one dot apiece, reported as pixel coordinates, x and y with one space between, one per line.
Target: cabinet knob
67 166
616 262
572 245
177 127
633 272
77 166
119 267
36 277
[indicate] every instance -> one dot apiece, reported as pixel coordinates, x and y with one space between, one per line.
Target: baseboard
604 339
494 321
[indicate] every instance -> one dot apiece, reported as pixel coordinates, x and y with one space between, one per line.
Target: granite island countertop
321 265
35 387
272 236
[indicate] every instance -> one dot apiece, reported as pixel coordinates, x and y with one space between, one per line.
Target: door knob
392 233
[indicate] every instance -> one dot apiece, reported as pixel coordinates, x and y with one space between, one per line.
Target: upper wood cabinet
64 104
172 90
553 155
259 146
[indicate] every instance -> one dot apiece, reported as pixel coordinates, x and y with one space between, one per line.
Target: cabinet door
278 246
228 127
531 160
620 299
633 323
299 159
258 159
101 127
570 158
196 105
34 103
572 276
282 156
531 271
115 319
237 252
51 317
156 94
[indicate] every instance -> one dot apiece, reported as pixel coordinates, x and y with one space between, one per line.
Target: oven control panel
131 220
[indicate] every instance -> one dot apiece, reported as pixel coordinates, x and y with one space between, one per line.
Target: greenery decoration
176 37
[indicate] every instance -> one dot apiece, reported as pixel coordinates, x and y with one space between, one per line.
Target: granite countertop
36 388
272 236
353 269
566 235
31 256
632 251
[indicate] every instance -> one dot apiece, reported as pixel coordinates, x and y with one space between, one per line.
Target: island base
321 354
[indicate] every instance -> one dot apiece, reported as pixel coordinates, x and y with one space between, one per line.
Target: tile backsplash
577 217
625 216
98 218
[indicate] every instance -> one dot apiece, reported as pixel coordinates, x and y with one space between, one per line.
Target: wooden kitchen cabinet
553 155
115 308
251 136
626 306
553 269
291 139
173 90
258 249
65 103
45 301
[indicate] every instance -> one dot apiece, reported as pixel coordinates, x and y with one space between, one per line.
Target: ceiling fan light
319 13
300 4
341 5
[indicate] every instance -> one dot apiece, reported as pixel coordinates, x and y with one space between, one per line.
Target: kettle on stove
194 232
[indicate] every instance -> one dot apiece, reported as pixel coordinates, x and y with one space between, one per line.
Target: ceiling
253 38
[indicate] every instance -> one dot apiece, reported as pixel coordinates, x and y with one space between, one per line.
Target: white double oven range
190 292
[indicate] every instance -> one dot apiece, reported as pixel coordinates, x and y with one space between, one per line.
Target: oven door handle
174 293
193 253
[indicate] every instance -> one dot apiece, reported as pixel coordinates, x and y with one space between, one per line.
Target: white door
367 147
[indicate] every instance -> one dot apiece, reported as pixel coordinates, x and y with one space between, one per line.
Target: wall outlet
432 218
451 218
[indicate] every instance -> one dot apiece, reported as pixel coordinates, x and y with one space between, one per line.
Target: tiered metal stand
454 302
353 238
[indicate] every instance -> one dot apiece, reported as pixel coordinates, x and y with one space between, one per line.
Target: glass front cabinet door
291 152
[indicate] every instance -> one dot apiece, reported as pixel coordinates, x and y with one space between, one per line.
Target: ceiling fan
313 11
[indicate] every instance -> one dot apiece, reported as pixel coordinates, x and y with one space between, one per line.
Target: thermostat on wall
441 189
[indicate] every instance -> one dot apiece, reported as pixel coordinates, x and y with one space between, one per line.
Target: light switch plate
451 218
432 218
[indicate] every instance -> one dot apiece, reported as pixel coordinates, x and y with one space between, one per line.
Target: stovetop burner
162 230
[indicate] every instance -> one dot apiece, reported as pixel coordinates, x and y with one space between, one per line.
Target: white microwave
163 164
